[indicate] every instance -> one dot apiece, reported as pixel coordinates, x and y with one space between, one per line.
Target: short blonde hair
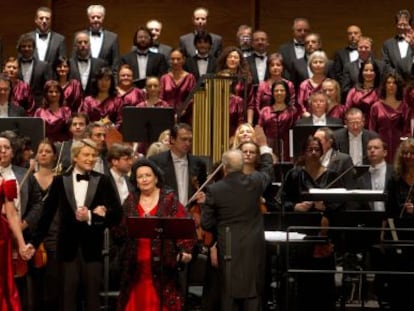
156 148
317 54
79 144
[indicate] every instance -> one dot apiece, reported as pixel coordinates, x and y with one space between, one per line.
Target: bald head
232 161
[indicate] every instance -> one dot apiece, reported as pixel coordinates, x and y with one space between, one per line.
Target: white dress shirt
319 120
96 43
4 110
80 188
142 64
181 173
84 70
355 148
121 185
261 66
378 174
27 69
41 46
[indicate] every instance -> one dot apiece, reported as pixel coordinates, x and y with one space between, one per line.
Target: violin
205 237
112 134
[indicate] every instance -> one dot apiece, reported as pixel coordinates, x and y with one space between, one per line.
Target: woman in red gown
278 119
127 92
54 113
177 84
365 93
140 280
9 219
390 116
333 91
72 88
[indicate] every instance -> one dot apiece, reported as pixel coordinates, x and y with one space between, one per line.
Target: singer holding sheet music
140 280
315 292
277 119
400 207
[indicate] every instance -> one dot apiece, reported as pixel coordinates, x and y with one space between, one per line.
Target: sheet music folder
161 227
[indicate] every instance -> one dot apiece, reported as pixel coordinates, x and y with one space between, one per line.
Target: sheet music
343 190
282 236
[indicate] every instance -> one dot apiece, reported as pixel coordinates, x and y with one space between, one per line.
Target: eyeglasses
311 149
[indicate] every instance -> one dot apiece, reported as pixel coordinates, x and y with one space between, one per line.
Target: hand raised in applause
259 135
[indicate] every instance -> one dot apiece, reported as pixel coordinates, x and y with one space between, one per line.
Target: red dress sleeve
10 189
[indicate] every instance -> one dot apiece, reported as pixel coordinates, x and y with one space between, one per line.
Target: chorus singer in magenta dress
140 281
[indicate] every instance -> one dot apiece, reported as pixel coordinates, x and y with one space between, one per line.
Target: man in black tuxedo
31 70
231 210
379 172
7 108
397 51
200 24
50 45
97 131
351 70
155 28
354 138
103 43
294 49
244 36
258 60
204 62
347 54
143 62
83 66
335 160
87 204
182 171
77 127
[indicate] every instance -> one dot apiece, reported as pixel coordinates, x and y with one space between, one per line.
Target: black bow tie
202 58
352 48
259 56
43 35
96 33
80 177
26 61
299 44
142 53
400 38
82 60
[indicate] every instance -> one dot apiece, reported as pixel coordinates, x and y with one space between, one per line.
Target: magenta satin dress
132 97
264 94
97 110
21 94
73 94
363 100
56 123
390 124
276 126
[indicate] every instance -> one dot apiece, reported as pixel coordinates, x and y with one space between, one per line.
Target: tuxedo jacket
197 169
162 49
341 162
72 234
55 48
287 50
187 44
340 60
390 54
40 74
110 48
31 204
96 65
113 183
156 66
191 66
364 182
342 142
251 60
15 110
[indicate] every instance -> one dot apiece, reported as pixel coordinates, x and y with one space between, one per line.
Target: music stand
25 126
299 134
145 124
161 228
